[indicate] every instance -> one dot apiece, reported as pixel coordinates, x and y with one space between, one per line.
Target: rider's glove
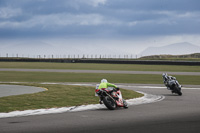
117 88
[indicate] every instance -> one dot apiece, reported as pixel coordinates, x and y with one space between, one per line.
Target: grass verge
93 66
92 77
56 96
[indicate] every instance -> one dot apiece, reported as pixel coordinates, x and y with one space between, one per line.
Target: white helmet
164 74
104 81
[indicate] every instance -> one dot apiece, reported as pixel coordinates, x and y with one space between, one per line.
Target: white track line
147 98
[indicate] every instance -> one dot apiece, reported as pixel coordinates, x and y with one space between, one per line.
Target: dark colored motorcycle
176 88
172 84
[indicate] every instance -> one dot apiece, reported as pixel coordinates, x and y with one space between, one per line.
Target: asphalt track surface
174 114
98 71
8 90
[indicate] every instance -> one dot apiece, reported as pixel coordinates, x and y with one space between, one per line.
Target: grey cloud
100 18
140 5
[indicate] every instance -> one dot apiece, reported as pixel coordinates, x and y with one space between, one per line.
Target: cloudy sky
96 26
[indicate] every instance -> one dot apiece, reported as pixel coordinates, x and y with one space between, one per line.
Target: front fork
100 98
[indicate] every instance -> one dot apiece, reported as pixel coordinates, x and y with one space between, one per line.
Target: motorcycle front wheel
125 104
109 103
178 91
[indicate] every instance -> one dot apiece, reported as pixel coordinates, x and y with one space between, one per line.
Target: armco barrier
107 61
148 62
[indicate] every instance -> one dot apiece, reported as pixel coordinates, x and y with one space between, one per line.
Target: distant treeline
194 55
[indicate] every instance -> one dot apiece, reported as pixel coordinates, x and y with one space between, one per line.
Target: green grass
56 96
65 95
93 66
92 77
62 95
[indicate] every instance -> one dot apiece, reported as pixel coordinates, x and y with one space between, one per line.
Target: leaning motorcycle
175 87
172 84
112 98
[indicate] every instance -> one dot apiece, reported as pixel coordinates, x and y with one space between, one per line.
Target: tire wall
108 61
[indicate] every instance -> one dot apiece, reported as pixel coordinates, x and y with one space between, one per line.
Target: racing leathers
104 85
169 81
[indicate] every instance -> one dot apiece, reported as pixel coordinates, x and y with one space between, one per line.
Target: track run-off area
11 90
167 113
157 111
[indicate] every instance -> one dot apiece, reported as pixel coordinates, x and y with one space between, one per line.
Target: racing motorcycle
112 98
172 84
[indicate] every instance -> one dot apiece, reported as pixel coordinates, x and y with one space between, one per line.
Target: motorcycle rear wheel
109 103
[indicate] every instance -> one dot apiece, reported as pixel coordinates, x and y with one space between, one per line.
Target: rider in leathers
169 80
104 84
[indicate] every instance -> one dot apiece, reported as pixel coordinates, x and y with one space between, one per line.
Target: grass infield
56 96
65 95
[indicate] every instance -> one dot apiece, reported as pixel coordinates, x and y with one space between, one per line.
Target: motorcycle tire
176 90
179 93
109 103
125 104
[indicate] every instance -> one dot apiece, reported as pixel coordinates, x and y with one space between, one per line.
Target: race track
8 90
174 114
98 71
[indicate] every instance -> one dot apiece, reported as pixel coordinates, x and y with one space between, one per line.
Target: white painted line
185 88
159 87
155 87
147 98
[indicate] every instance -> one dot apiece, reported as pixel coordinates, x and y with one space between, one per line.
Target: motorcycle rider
165 78
104 85
169 80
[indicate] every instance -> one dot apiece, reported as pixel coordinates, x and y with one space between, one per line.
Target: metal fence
70 56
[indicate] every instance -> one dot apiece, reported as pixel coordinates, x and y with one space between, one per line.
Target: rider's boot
100 102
